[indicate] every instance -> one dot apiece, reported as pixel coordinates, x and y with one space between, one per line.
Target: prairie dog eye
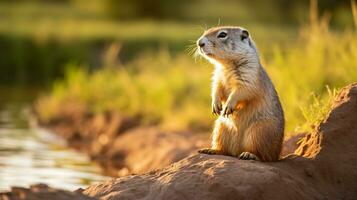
222 35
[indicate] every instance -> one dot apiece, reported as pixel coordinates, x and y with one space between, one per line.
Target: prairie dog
251 119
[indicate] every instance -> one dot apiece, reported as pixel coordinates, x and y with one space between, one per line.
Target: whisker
190 46
191 49
197 55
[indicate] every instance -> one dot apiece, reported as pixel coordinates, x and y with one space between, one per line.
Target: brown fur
251 121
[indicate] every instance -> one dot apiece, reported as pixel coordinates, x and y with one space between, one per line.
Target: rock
329 172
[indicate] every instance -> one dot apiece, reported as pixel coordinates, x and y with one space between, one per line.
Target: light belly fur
231 139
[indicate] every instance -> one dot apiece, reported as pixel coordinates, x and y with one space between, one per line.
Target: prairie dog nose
201 42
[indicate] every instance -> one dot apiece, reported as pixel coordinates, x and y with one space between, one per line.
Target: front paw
248 156
216 108
208 151
228 110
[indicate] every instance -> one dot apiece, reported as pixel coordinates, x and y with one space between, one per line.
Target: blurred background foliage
39 37
132 56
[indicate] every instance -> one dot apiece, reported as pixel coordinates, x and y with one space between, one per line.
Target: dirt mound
291 144
330 172
145 149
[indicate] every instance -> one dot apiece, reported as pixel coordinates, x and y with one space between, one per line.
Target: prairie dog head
227 44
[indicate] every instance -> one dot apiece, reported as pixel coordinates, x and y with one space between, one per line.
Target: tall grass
165 90
173 91
316 112
320 58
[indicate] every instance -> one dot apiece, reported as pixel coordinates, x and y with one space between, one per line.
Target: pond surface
32 155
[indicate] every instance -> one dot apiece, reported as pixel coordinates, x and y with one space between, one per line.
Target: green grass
173 91
170 91
321 58
318 109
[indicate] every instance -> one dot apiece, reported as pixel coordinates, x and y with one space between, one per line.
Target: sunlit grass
171 91
320 58
318 109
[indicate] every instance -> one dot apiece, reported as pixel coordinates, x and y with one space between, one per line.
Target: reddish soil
145 149
291 144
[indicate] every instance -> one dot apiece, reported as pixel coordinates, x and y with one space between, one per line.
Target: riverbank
120 145
29 155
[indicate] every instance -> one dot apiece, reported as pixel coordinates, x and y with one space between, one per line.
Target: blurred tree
154 9
297 10
47 1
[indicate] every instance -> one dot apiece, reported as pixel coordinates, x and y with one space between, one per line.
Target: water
32 155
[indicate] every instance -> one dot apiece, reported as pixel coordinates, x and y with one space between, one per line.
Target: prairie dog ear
244 35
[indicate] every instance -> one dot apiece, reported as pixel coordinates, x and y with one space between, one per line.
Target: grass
321 58
170 91
318 109
173 91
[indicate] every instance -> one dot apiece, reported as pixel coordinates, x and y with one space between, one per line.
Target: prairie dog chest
227 81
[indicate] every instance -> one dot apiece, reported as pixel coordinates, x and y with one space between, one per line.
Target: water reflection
30 155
